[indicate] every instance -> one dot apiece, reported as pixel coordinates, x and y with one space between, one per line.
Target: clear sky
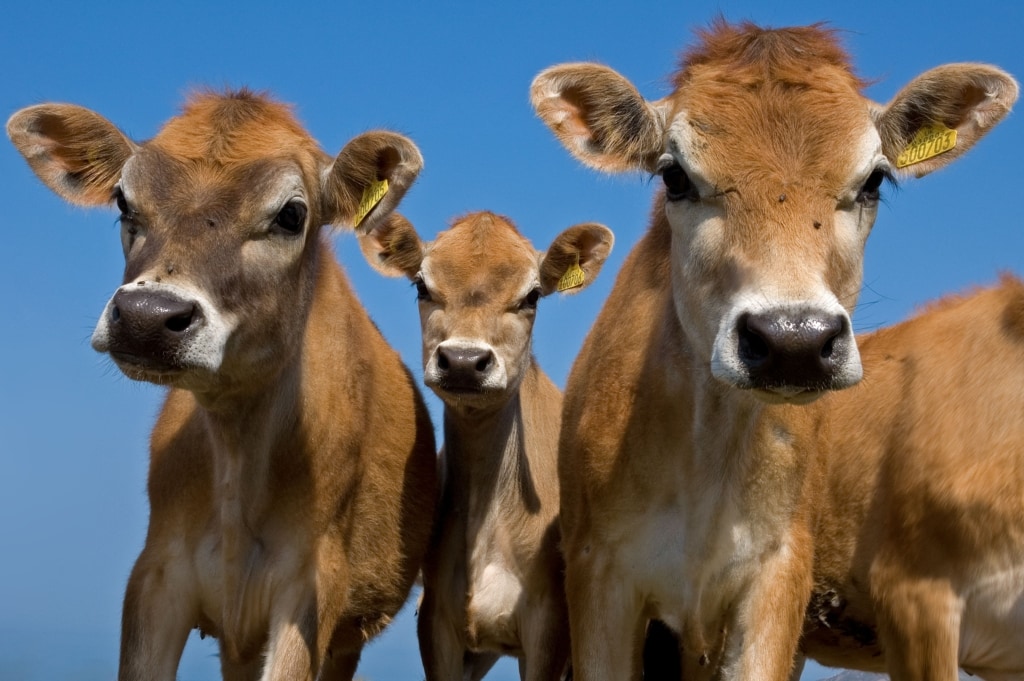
73 431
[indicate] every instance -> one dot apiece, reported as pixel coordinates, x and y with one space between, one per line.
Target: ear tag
929 142
371 197
573 277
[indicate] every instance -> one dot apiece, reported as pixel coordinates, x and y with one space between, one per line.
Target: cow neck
485 453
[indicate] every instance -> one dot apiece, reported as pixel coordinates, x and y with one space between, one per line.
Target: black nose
150 324
464 368
793 350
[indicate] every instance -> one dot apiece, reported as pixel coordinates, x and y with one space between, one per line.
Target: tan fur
292 472
492 584
705 486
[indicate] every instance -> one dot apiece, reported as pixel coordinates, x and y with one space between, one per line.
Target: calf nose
464 368
801 351
149 323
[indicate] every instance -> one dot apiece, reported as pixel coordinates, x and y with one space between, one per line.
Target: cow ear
392 247
600 117
575 257
942 113
369 178
75 152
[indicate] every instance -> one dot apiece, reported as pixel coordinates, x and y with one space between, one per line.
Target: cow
713 474
292 479
493 580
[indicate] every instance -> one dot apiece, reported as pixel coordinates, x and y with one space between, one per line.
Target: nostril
827 348
442 361
181 322
115 313
484 362
753 346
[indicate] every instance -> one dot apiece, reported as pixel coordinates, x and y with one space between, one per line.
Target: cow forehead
483 252
781 105
235 128
224 148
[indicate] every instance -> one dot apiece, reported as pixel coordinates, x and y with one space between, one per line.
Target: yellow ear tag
573 277
929 142
371 197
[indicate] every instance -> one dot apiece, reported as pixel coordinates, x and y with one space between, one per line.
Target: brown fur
727 505
292 471
492 584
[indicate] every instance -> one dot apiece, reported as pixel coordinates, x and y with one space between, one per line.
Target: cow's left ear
575 257
392 247
369 178
941 114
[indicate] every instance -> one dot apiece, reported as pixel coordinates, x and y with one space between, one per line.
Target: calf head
478 285
773 164
220 223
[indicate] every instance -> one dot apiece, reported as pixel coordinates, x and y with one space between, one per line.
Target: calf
292 475
696 489
492 584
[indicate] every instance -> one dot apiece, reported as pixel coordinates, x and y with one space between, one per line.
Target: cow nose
150 320
780 349
464 368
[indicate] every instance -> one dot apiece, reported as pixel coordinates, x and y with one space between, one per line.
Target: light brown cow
492 583
292 476
695 489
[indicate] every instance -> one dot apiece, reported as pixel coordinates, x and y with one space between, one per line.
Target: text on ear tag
573 277
371 197
929 142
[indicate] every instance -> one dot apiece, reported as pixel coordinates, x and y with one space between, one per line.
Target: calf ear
75 152
392 247
599 117
369 178
944 110
575 257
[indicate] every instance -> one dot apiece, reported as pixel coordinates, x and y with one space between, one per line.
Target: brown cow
695 489
292 476
492 583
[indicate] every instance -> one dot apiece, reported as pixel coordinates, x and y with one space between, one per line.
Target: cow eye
871 191
291 218
678 185
122 203
422 292
530 301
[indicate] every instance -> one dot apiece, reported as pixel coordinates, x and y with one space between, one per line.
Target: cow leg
294 651
441 648
302 631
762 641
235 671
545 645
605 620
340 666
477 665
919 625
159 612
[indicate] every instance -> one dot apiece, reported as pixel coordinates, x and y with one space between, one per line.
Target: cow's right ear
369 178
75 152
600 117
392 247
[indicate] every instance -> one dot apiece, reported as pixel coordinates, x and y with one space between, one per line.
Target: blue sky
73 431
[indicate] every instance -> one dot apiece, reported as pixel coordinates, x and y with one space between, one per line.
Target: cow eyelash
422 292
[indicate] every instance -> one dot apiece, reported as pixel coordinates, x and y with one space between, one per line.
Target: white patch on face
729 367
494 379
202 348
